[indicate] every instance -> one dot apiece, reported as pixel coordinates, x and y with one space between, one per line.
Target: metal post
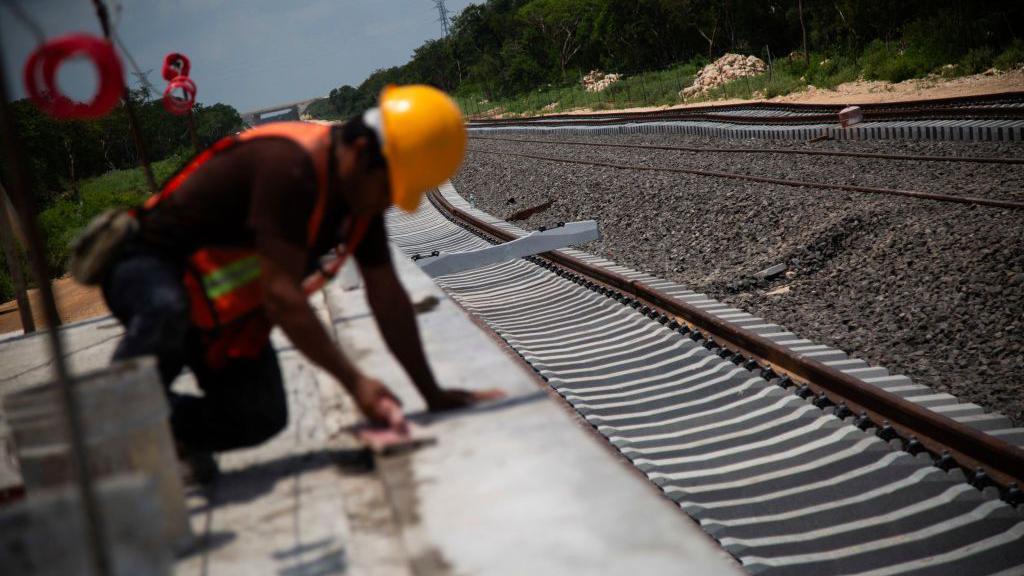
129 106
26 210
192 132
28 324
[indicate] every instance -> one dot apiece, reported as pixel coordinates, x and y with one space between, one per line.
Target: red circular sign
176 64
176 104
41 76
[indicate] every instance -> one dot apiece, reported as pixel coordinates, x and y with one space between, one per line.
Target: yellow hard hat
424 140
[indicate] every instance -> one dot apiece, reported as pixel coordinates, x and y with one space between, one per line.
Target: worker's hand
381 407
455 399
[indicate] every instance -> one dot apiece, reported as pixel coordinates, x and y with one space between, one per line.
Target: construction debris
770 272
527 212
725 69
597 81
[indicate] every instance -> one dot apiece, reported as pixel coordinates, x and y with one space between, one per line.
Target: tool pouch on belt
95 248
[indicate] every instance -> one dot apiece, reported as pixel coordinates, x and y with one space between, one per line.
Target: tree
345 100
434 63
565 24
803 32
215 122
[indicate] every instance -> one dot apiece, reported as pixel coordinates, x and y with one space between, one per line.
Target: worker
221 252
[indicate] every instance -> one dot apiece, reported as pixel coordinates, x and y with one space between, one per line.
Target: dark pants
242 405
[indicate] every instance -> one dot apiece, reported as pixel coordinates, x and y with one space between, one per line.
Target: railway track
997 117
970 200
798 458
763 150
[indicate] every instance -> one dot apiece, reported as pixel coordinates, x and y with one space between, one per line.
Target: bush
1012 57
67 215
885 62
976 61
829 71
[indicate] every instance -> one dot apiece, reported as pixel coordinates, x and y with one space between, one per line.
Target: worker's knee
266 423
169 325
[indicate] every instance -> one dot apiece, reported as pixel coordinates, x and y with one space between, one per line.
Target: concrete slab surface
515 487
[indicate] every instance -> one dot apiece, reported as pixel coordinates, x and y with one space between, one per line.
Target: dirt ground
873 92
74 302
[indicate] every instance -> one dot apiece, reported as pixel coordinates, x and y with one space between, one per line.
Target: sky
247 53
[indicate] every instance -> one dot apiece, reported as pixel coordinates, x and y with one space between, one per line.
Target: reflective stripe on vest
220 281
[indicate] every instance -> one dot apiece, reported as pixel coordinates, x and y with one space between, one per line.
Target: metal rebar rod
28 324
192 132
25 208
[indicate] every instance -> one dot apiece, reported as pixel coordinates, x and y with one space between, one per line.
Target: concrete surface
516 487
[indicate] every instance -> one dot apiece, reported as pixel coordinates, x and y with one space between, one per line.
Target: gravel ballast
928 289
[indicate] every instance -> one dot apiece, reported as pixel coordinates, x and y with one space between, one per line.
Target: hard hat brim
399 194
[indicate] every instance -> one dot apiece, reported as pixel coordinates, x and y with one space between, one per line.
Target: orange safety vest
223 283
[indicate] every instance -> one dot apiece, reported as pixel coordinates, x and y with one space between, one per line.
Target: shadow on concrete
246 484
207 542
425 418
301 549
333 562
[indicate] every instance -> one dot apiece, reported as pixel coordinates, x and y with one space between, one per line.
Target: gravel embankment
931 290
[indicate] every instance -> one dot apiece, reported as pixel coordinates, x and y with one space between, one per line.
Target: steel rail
971 200
699 149
953 103
971 448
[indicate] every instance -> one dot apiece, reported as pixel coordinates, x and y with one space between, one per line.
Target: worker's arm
397 322
288 307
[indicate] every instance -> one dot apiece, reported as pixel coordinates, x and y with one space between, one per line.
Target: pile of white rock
597 81
727 68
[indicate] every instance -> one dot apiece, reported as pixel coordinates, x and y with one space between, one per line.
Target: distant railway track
747 150
796 457
994 117
788 120
1005 105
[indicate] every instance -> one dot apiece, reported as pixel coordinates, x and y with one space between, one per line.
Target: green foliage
67 215
976 60
882 61
566 27
61 153
215 122
6 284
1012 57
645 89
323 109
